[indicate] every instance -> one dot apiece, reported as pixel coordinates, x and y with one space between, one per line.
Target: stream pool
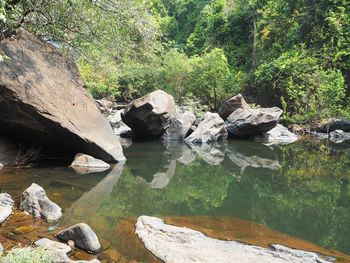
296 195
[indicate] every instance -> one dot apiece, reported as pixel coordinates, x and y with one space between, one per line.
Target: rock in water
278 135
234 103
82 235
34 201
183 245
333 125
179 128
211 128
1 249
339 136
6 206
43 101
150 115
245 123
88 164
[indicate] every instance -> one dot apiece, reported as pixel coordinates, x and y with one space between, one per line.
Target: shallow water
297 195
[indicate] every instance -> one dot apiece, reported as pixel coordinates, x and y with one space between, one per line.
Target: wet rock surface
211 128
232 104
34 201
43 101
244 123
180 244
150 115
6 206
82 235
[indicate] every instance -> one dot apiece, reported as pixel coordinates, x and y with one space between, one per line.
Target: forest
294 54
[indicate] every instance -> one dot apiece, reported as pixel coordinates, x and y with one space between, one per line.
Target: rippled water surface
298 195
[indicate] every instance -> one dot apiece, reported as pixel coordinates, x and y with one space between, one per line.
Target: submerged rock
232 104
34 201
150 115
278 135
179 244
179 128
6 206
82 235
245 123
211 128
44 101
84 164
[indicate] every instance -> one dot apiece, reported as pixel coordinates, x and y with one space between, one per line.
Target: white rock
278 135
6 206
183 245
53 245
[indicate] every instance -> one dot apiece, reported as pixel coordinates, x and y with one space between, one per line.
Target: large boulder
232 104
245 123
82 235
211 128
150 115
43 101
6 206
333 125
179 128
34 201
174 244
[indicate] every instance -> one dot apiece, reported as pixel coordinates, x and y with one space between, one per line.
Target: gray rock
150 115
44 101
1 249
245 123
183 245
339 136
334 125
82 235
232 104
211 128
53 245
115 118
104 105
179 128
6 206
122 130
34 201
84 160
278 135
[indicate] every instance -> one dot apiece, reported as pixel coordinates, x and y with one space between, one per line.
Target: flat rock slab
34 201
179 244
53 245
82 235
6 206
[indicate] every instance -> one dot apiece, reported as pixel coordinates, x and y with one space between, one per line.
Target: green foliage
305 89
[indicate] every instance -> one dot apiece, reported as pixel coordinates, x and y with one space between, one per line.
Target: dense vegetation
295 54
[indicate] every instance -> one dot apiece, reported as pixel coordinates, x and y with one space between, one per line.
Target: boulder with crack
245 123
232 104
44 101
211 128
150 115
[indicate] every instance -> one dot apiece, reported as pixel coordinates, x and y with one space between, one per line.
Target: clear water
301 190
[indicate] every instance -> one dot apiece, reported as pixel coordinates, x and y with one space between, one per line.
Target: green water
301 190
